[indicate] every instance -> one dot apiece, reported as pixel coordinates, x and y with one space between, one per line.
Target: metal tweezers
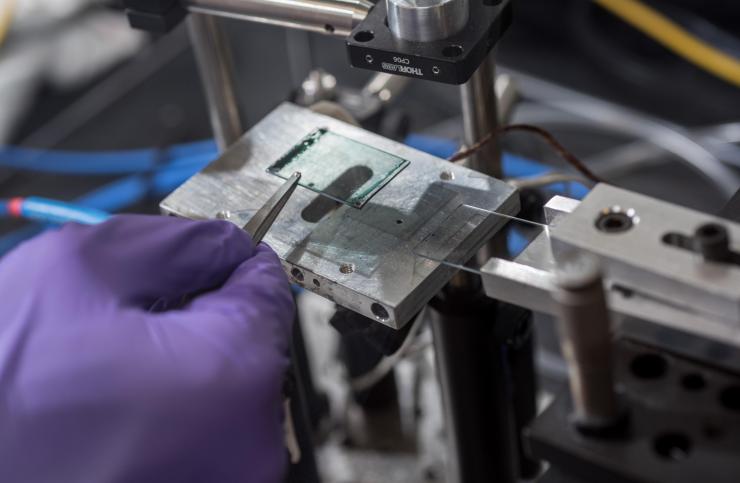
262 221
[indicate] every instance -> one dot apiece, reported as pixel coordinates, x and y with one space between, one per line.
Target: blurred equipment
498 311
65 43
7 11
673 37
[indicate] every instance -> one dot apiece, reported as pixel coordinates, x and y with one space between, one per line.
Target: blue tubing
103 162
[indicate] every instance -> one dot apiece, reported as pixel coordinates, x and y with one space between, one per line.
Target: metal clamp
450 60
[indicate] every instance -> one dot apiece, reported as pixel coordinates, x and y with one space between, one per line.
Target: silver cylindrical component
585 339
216 67
480 114
426 20
507 92
481 118
337 17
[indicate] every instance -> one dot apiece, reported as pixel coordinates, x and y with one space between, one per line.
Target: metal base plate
363 259
684 425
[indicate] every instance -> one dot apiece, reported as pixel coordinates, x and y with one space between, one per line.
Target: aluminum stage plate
365 259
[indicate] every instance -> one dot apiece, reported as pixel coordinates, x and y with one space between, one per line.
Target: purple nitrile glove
99 384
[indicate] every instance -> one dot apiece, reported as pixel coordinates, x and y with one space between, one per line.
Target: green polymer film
338 167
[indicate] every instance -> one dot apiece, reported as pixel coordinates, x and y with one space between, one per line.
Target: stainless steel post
480 111
480 117
216 67
585 338
423 21
335 17
507 95
481 430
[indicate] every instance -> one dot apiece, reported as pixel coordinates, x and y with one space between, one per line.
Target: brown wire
548 137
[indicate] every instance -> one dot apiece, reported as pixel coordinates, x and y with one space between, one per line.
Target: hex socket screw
712 241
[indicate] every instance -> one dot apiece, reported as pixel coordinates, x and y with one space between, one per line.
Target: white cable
668 136
387 363
637 154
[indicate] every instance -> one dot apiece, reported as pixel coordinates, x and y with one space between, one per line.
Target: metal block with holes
366 259
656 274
651 249
683 425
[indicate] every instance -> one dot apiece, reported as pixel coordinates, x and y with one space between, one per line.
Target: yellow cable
675 38
6 18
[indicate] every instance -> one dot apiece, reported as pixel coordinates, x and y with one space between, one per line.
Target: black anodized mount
372 46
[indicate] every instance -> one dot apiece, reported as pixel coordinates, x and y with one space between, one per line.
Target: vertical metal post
467 326
216 66
476 389
480 112
585 338
480 117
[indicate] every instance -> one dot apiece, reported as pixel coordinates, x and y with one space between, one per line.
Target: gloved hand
99 384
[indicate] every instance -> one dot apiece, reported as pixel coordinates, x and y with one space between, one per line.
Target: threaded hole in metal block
297 274
364 36
649 366
614 222
693 382
379 312
730 398
672 446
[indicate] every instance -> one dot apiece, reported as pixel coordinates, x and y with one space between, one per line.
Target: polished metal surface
480 118
426 20
216 67
508 96
585 339
639 259
557 206
528 285
480 114
364 259
262 221
335 17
